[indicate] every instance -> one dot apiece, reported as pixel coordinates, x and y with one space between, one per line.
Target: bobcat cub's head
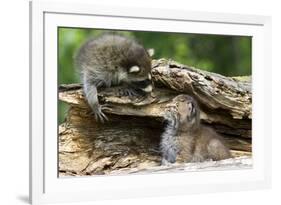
187 108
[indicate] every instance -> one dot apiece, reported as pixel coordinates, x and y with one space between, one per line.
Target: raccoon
111 60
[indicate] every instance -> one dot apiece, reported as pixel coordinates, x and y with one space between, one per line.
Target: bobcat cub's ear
134 69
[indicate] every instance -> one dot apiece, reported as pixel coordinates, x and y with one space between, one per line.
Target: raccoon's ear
134 69
150 52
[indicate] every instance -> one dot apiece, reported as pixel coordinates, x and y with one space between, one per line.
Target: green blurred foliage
227 55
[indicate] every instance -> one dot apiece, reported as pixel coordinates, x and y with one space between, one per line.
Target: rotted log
129 141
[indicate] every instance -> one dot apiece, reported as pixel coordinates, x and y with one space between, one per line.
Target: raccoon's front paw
130 92
98 112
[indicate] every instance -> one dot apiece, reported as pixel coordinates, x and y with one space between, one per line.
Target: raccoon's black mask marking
141 84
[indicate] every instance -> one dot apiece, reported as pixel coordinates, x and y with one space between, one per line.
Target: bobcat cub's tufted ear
134 69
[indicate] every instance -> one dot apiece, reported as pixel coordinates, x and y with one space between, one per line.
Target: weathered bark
129 142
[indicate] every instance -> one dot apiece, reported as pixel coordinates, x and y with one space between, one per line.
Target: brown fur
191 141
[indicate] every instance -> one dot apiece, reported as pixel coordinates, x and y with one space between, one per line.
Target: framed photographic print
127 103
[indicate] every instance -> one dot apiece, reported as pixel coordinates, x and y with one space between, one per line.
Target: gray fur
168 145
105 62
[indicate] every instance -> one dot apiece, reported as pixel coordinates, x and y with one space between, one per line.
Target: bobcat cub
185 139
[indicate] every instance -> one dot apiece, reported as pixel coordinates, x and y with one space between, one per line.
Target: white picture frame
46 187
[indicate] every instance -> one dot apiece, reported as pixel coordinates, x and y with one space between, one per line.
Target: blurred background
226 55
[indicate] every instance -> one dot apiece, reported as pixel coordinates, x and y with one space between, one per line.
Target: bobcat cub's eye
134 69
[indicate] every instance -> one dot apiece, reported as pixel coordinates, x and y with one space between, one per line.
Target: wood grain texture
129 141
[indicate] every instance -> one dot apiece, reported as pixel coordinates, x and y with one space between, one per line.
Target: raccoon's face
139 78
139 71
